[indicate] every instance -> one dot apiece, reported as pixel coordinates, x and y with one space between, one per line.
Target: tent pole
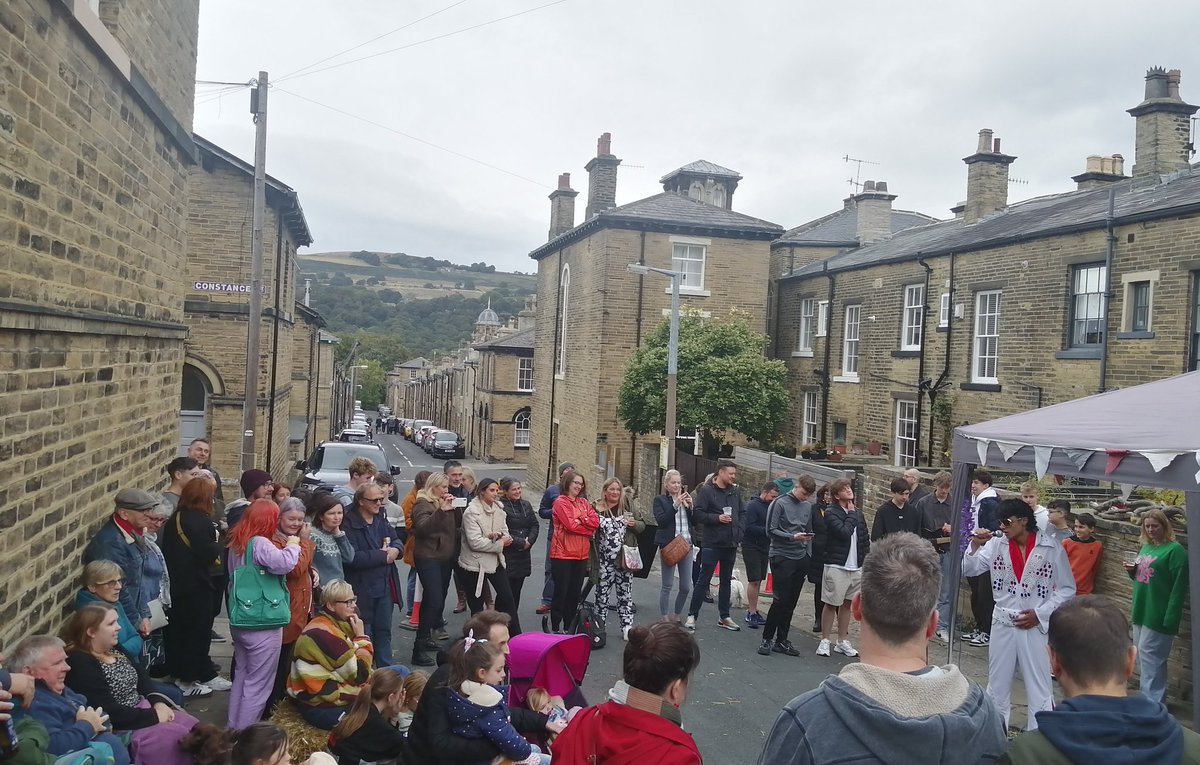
1192 505
960 490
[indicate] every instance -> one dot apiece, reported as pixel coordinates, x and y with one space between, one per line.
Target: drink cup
1129 558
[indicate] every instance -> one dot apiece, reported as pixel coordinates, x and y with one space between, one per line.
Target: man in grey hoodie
789 527
891 708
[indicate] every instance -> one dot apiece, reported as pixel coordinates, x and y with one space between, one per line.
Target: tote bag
258 599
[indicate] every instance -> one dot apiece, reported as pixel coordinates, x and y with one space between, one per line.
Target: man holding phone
718 511
789 526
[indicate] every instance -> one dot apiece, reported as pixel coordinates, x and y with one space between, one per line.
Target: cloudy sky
779 90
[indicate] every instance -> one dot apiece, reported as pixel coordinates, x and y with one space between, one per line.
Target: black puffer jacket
522 527
839 525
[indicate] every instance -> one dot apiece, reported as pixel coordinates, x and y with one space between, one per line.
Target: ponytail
382 683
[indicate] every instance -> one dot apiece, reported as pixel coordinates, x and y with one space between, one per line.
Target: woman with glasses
372 572
332 658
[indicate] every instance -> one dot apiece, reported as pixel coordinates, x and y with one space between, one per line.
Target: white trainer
843 647
218 683
823 648
690 624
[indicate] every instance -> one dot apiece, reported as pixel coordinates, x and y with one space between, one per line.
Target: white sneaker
823 648
843 647
942 635
625 633
218 683
193 690
690 624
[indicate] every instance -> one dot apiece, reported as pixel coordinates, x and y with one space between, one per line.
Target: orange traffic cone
768 588
415 619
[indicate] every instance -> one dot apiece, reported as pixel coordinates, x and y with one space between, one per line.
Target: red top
575 521
1085 561
1018 557
616 734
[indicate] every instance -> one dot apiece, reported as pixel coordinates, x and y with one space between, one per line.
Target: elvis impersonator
1031 577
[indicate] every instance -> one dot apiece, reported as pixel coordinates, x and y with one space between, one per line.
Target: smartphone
459 502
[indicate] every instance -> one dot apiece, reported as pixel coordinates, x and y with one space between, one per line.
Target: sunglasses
1009 521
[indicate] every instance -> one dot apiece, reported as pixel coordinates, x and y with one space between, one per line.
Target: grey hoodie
871 715
785 518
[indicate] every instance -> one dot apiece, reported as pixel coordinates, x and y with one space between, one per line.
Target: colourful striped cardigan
329 664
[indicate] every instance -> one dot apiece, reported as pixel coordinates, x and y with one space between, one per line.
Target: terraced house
1005 307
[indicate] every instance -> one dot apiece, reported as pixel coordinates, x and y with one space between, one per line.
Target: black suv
328 465
447 443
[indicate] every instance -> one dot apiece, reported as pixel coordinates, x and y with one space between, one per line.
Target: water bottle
9 743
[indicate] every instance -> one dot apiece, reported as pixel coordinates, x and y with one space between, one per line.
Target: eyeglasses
350 602
111 583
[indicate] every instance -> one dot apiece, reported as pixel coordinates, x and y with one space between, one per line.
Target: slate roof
668 212
419 362
841 228
515 341
1053 215
703 167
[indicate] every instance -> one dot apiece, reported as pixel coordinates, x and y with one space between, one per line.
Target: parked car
424 433
328 465
415 428
448 444
355 435
427 438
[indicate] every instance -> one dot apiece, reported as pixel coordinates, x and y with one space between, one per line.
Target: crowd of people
311 585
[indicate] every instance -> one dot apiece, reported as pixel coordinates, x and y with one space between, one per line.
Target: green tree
373 380
725 382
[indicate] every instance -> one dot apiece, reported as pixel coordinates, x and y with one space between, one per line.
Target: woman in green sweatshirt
1160 583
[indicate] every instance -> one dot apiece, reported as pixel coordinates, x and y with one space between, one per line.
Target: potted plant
874 448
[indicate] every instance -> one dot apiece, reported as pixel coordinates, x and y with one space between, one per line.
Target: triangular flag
1007 449
1115 456
982 446
1041 459
1079 456
1159 460
1126 490
1198 463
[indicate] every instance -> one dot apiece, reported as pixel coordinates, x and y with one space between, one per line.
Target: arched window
522 426
193 406
560 364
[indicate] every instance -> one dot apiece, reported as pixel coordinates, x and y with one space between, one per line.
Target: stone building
1005 307
501 429
95 123
220 202
592 312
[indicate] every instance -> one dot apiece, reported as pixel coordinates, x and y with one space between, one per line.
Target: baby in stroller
539 700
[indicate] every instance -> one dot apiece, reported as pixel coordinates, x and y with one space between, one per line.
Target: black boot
422 656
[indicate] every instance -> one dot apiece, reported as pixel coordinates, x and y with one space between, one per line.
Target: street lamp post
672 351
353 390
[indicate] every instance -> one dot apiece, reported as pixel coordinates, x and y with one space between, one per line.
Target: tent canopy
1144 435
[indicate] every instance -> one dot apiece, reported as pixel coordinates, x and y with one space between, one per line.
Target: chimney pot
1094 163
564 180
985 141
987 178
1162 128
996 146
1118 164
873 216
602 178
869 186
562 206
1156 83
881 187
604 145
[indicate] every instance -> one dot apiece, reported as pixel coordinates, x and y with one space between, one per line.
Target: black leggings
188 637
515 583
568 582
504 599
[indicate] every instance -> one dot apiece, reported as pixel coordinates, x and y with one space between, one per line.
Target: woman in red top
575 521
641 722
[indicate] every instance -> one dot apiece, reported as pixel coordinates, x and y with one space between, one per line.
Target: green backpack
258 599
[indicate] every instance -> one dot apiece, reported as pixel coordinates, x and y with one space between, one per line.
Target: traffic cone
768 588
415 619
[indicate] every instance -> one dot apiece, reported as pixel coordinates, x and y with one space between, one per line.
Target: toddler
414 686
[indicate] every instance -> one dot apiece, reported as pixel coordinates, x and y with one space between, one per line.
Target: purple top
267 555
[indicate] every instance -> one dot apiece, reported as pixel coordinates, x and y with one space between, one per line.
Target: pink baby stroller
557 663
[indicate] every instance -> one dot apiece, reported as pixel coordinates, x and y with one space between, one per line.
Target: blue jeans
548 586
376 614
684 567
947 559
709 558
1152 649
170 690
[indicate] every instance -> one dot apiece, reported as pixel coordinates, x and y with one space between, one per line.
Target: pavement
734 696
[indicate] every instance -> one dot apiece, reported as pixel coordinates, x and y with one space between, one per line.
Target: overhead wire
411 137
426 40
373 39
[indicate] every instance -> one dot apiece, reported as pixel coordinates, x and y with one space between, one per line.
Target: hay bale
303 738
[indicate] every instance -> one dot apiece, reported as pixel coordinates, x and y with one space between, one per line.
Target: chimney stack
562 206
1162 141
602 178
874 206
1100 171
987 178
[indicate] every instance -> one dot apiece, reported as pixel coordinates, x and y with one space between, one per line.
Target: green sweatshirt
1160 585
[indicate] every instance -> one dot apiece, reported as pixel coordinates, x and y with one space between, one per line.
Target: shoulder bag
258 599
675 550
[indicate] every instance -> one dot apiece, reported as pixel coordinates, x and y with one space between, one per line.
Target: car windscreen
339 459
446 437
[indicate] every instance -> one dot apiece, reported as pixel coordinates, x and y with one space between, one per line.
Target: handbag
631 558
675 550
258 599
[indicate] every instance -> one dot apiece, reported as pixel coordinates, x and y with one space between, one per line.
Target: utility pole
258 107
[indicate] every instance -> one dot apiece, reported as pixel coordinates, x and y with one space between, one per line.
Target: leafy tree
373 380
368 257
725 381
390 296
340 280
468 284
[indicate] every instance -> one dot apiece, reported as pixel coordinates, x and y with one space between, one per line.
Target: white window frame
822 318
912 326
944 311
564 304
808 423
687 250
906 434
850 342
525 374
985 343
1088 282
807 329
522 435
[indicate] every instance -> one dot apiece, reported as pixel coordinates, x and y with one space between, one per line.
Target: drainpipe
826 380
936 388
921 359
637 343
553 367
1109 221
275 340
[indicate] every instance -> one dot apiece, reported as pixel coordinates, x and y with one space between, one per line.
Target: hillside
412 276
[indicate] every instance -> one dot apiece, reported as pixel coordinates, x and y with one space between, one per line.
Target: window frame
904 456
807 328
808 418
525 372
526 416
1138 290
822 319
851 343
1194 335
688 246
944 311
977 337
912 324
564 304
1076 291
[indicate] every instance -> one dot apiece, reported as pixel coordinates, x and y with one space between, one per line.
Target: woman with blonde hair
1160 588
332 658
434 531
619 528
108 680
673 514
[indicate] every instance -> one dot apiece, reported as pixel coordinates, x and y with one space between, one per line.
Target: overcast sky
778 90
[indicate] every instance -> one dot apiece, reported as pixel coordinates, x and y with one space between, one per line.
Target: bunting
1041 459
1115 456
982 445
1079 457
1007 449
1198 463
1159 460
